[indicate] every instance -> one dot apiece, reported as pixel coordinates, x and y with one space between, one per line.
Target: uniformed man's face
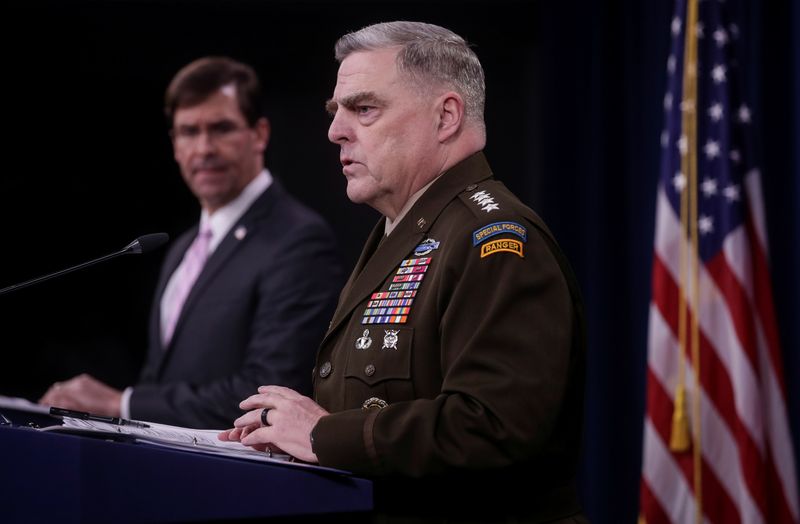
385 128
218 152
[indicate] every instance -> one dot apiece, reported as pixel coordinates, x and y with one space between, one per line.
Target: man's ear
262 129
451 115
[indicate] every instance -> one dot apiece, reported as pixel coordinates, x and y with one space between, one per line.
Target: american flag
724 455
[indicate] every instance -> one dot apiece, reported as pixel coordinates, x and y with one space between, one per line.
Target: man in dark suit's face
218 152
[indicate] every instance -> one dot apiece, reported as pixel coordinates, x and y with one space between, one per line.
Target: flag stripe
774 388
780 510
724 510
755 202
724 392
656 514
762 292
727 446
737 256
662 337
670 488
739 259
716 323
737 305
753 414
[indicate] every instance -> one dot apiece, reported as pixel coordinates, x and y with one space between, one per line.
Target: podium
52 477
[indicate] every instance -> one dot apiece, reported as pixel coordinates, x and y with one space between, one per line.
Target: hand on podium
279 419
84 393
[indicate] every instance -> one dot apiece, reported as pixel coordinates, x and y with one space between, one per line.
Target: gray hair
429 55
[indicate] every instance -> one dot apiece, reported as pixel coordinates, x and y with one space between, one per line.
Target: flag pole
689 166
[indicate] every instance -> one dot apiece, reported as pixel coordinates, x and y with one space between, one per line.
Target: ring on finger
264 417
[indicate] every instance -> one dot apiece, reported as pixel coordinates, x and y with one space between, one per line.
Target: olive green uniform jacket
458 387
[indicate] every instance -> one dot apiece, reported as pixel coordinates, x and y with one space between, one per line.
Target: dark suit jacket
255 316
459 387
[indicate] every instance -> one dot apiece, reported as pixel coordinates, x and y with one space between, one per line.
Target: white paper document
196 440
176 437
23 404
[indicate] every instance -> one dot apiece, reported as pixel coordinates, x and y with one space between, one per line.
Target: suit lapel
372 271
171 263
260 208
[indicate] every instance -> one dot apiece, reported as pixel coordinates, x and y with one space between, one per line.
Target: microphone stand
140 245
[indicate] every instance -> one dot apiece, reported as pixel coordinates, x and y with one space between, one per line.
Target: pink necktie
193 261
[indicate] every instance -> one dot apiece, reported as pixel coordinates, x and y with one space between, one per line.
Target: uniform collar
373 269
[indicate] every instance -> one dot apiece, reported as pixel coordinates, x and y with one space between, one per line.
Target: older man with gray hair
452 371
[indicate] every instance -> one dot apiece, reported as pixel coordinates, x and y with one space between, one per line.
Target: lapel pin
240 232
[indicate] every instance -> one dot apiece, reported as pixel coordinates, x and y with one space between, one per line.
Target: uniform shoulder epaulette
501 227
485 199
490 201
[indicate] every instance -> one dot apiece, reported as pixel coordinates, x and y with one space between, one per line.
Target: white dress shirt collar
223 219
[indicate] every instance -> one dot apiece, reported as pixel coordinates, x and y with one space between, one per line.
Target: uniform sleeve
505 334
295 297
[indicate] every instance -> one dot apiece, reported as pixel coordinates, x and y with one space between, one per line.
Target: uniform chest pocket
380 353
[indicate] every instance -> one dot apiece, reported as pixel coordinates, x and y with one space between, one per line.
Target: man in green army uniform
452 371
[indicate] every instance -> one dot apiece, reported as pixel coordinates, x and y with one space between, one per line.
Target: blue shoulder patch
497 228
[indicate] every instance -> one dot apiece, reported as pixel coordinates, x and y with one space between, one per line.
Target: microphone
143 244
146 243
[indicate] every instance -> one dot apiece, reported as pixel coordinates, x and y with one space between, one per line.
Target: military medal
394 306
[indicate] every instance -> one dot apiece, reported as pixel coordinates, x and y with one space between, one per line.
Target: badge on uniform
394 306
508 245
390 339
498 228
364 341
425 247
485 200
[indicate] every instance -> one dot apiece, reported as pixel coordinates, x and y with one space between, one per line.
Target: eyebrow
351 101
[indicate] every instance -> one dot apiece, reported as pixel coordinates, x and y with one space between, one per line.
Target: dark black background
573 115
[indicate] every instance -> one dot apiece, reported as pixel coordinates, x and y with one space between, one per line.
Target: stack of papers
175 437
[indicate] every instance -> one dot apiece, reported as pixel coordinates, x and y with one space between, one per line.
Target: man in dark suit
452 372
245 295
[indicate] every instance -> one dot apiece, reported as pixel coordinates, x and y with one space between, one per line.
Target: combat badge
390 339
425 247
364 341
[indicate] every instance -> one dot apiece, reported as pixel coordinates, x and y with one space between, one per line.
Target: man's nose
340 130
206 143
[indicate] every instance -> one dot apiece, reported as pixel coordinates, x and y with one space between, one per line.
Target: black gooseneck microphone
143 244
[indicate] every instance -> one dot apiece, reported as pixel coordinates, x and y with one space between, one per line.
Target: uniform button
472 187
325 370
369 370
374 403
